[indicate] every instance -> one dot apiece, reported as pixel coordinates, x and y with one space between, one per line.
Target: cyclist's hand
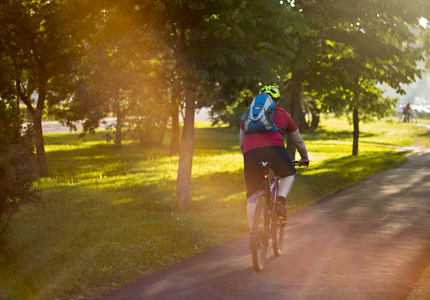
303 162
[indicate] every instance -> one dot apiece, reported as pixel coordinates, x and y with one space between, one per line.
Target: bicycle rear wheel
278 236
259 240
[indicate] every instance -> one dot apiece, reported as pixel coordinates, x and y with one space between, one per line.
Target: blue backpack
259 117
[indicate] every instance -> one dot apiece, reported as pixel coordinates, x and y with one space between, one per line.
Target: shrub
18 171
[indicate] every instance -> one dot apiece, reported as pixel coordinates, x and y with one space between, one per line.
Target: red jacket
270 138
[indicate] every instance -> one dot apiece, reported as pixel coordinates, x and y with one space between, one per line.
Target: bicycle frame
265 226
271 190
268 188
267 230
409 117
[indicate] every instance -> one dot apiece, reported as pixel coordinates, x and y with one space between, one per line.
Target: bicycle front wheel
260 239
278 236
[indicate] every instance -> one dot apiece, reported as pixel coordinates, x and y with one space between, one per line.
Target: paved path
368 241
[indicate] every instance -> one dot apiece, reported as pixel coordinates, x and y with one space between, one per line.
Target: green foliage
92 58
352 47
355 41
18 173
424 40
218 48
38 48
36 45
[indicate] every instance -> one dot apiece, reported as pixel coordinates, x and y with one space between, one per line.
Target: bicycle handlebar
296 163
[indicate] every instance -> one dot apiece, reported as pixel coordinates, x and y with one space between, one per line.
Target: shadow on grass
152 207
217 138
101 157
324 135
161 196
424 134
156 196
334 174
73 138
109 162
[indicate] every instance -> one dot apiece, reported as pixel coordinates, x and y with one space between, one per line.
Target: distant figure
407 113
108 138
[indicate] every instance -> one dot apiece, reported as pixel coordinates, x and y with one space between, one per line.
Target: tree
378 47
17 165
424 42
216 47
357 44
123 73
38 48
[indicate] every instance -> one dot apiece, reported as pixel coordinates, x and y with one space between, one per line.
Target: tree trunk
315 115
163 123
174 142
315 120
291 148
356 133
174 110
186 151
296 109
119 123
36 115
296 90
303 125
183 184
40 144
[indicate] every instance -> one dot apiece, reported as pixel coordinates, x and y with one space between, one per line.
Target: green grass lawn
108 217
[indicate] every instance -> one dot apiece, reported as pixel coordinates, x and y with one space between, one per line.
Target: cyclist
269 146
407 112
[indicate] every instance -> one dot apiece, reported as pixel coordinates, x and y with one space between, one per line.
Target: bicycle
409 118
267 230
